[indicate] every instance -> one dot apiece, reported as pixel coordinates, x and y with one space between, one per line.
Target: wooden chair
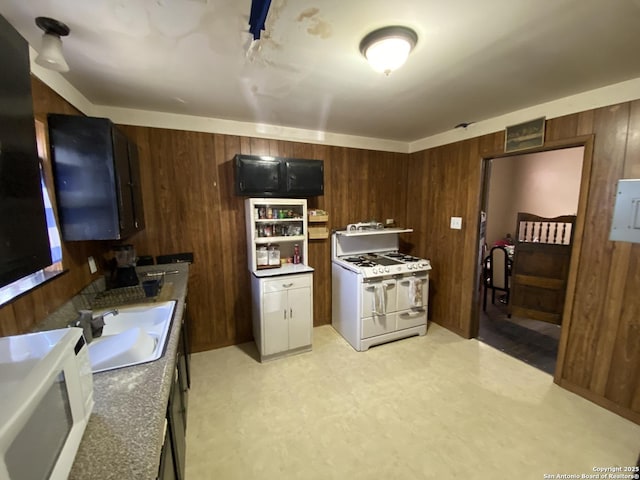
496 274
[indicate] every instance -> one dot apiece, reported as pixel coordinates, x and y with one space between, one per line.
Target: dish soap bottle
296 253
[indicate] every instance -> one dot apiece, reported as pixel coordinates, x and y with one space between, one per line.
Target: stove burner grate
366 263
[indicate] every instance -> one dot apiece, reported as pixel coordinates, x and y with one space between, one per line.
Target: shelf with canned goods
276 221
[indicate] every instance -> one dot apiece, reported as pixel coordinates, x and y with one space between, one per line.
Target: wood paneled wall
23 313
190 205
600 346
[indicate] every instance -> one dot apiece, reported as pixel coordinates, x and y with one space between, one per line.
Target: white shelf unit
287 230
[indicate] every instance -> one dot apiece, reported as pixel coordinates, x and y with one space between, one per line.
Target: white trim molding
592 99
601 97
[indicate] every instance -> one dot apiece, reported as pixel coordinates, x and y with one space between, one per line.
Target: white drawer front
287 282
378 324
412 318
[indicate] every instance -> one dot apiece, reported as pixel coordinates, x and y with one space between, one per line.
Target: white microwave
46 387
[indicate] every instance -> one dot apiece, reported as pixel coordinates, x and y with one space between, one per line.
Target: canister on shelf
262 256
274 254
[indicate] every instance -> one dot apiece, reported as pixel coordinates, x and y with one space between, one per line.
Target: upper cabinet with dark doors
97 178
24 240
265 176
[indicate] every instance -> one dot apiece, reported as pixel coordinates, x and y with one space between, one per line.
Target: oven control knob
410 266
386 269
374 270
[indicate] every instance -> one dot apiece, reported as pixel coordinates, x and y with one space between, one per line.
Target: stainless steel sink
138 334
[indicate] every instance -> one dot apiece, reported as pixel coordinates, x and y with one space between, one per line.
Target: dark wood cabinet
97 179
24 239
304 178
167 470
186 345
257 175
172 459
278 177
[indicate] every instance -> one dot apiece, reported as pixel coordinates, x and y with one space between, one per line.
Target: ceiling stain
318 27
308 13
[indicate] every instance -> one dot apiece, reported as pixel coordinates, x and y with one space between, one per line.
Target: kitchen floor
437 406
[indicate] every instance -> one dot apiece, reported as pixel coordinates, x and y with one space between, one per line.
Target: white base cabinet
282 314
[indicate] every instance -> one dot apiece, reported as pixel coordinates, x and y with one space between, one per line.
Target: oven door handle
413 313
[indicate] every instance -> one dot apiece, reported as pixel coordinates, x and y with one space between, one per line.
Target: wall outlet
92 265
390 221
456 223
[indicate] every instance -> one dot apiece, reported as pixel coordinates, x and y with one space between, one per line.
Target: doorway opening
546 184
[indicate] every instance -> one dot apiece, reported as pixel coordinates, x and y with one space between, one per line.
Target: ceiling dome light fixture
50 55
387 48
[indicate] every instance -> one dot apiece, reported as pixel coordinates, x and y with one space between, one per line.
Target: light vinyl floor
432 407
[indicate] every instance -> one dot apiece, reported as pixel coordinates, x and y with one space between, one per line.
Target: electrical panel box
625 226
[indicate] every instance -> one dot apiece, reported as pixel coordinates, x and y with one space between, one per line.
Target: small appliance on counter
364 226
124 273
46 388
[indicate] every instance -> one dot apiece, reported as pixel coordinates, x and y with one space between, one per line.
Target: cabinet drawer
287 282
378 324
412 318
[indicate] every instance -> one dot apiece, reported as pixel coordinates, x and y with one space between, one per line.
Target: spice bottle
296 253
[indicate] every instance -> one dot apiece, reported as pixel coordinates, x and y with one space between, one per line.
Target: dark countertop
124 436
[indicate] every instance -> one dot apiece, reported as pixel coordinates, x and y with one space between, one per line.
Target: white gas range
378 293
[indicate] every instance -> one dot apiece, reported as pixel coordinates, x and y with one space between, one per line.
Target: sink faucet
91 325
97 322
113 312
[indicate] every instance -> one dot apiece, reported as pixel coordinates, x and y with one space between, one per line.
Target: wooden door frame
585 141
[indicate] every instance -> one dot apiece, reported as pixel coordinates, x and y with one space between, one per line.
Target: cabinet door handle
285 313
291 313
287 285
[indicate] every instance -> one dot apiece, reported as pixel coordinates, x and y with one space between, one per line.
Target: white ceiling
475 59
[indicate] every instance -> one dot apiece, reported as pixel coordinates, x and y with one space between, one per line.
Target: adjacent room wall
600 348
545 184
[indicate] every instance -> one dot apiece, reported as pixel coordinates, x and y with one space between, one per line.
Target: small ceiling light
50 55
387 48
